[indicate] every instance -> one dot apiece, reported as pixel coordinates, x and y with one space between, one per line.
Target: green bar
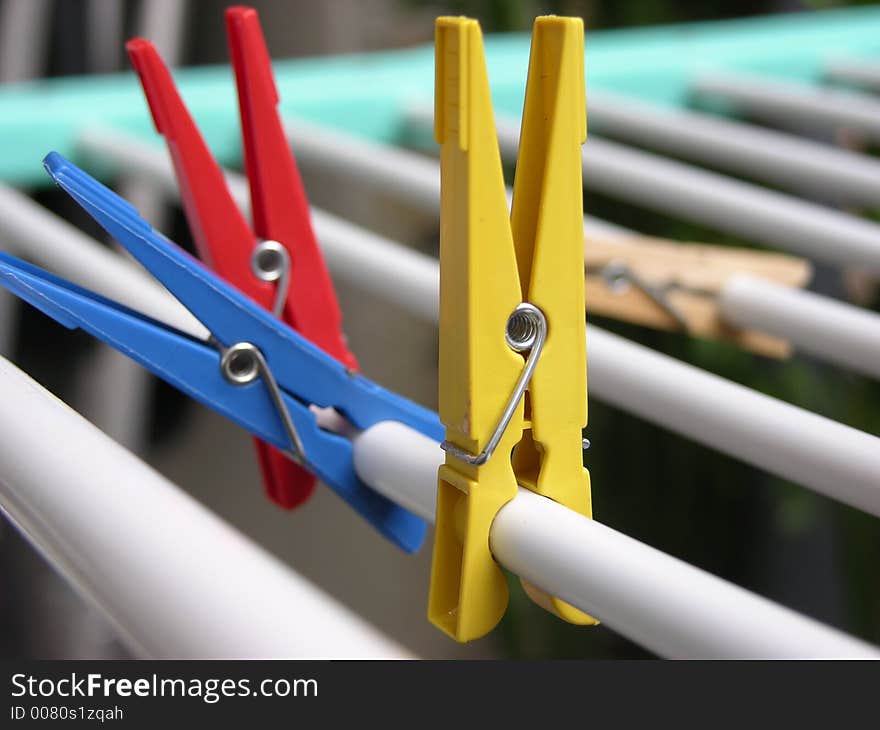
366 94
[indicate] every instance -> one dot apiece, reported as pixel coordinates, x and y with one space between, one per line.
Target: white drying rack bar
816 452
552 547
174 580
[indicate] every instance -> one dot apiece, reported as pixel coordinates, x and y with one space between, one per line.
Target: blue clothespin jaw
305 375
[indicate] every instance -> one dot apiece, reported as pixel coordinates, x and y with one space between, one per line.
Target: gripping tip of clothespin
458 41
240 12
99 200
155 79
54 161
562 40
247 46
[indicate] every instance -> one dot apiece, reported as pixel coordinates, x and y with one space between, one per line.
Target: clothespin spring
271 262
242 363
619 277
526 330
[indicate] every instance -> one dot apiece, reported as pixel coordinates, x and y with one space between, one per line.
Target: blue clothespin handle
307 375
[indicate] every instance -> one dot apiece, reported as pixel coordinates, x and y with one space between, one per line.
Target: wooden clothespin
675 286
513 391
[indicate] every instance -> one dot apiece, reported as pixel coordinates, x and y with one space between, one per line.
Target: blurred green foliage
771 536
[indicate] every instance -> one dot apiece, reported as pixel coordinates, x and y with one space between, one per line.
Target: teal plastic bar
366 94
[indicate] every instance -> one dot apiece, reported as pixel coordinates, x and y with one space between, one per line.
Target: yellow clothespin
675 286
513 391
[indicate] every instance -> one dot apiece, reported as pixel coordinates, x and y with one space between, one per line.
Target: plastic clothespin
278 264
253 369
675 286
513 393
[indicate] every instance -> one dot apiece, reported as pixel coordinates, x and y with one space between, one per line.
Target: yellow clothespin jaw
675 286
512 352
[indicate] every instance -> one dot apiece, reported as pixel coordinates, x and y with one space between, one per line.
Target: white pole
407 176
661 603
820 326
174 579
164 22
816 452
729 205
415 465
826 456
794 104
859 71
782 159
118 540
27 229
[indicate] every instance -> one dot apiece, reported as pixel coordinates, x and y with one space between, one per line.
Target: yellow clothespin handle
547 223
490 265
478 291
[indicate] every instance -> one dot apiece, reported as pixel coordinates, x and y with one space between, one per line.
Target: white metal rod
29 230
115 393
414 469
826 456
408 176
417 179
782 159
231 599
816 452
796 104
830 330
711 199
721 202
164 22
661 603
859 71
174 579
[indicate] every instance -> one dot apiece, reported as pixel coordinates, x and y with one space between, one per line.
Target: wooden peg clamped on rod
675 286
512 355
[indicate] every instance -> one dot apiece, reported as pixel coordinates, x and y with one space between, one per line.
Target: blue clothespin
254 370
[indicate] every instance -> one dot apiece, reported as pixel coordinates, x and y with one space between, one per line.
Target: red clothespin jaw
278 199
223 237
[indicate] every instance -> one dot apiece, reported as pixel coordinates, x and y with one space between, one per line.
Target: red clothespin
279 263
